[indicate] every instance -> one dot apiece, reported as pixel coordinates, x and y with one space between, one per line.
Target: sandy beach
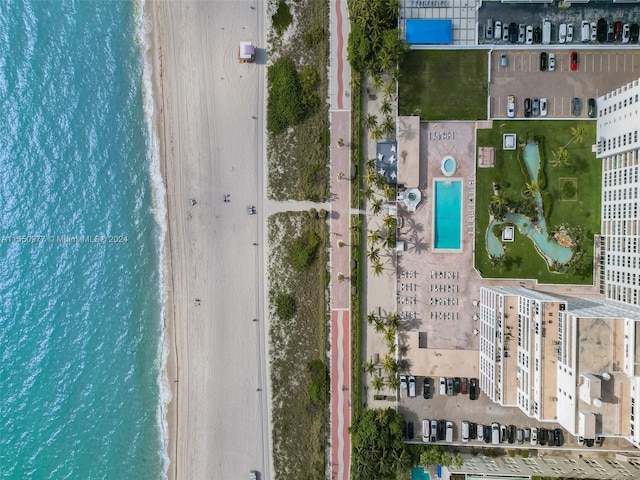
208 114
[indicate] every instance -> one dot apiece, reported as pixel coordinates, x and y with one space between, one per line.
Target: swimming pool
447 215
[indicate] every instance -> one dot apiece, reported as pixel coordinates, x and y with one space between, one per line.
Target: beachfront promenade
340 117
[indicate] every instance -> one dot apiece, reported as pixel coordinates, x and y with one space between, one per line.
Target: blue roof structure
429 32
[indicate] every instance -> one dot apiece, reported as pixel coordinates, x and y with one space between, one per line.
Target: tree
389 90
378 325
385 107
498 206
376 81
376 133
560 157
389 127
371 318
393 382
578 133
532 187
369 122
358 48
393 321
376 206
390 335
390 364
377 268
389 222
377 383
370 367
373 254
435 455
379 450
373 237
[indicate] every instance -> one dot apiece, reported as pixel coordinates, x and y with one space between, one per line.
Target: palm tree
393 382
390 335
373 254
369 122
390 364
389 90
560 157
371 318
367 193
376 133
370 164
377 268
373 237
393 321
389 239
389 126
379 325
532 188
376 81
384 59
385 107
578 133
376 206
389 191
377 383
389 222
369 367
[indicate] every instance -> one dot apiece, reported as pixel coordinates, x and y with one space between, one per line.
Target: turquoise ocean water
80 283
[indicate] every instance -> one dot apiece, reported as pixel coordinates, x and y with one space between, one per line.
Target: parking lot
598 72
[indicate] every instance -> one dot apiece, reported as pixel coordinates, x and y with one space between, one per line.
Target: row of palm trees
388 327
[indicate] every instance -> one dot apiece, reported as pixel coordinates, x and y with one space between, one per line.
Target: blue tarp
429 32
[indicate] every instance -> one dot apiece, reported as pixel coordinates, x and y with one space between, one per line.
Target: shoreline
153 11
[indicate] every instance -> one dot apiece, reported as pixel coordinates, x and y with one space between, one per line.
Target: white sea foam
143 29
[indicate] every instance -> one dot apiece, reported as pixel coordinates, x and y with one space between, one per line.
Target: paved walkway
340 75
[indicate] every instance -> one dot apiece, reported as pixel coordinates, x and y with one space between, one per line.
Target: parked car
464 385
543 107
489 29
590 442
503 433
552 62
542 436
527 107
585 31
505 32
450 390
403 383
527 434
562 33
513 33
576 106
535 107
511 106
617 31
511 433
426 387
426 430
534 436
433 431
448 436
497 30
574 60
546 31
550 437
580 441
521 33
473 431
599 440
610 34
570 33
443 386
456 385
543 61
480 429
487 434
537 35
464 431
601 34
441 429
473 386
412 385
626 33
410 432
557 437
634 32
592 108
519 435
503 59
529 35
495 433
594 31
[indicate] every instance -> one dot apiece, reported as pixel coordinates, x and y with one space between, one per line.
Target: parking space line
600 62
608 62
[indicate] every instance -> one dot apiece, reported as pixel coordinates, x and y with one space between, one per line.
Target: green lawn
583 210
444 85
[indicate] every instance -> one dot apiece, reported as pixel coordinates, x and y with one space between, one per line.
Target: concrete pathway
340 117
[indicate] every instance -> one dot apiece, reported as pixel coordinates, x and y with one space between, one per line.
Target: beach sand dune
208 113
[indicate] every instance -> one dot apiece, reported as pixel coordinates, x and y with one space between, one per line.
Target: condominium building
576 361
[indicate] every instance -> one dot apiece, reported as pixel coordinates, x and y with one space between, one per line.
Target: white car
543 107
570 33
497 30
625 33
585 31
562 33
403 382
412 385
511 106
505 32
580 441
521 32
594 31
443 386
552 62
529 35
534 436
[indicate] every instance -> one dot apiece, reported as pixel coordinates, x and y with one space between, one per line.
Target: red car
574 60
617 28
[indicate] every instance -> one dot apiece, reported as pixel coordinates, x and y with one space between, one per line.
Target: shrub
568 189
282 18
303 250
318 383
511 453
285 306
547 203
524 453
285 106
